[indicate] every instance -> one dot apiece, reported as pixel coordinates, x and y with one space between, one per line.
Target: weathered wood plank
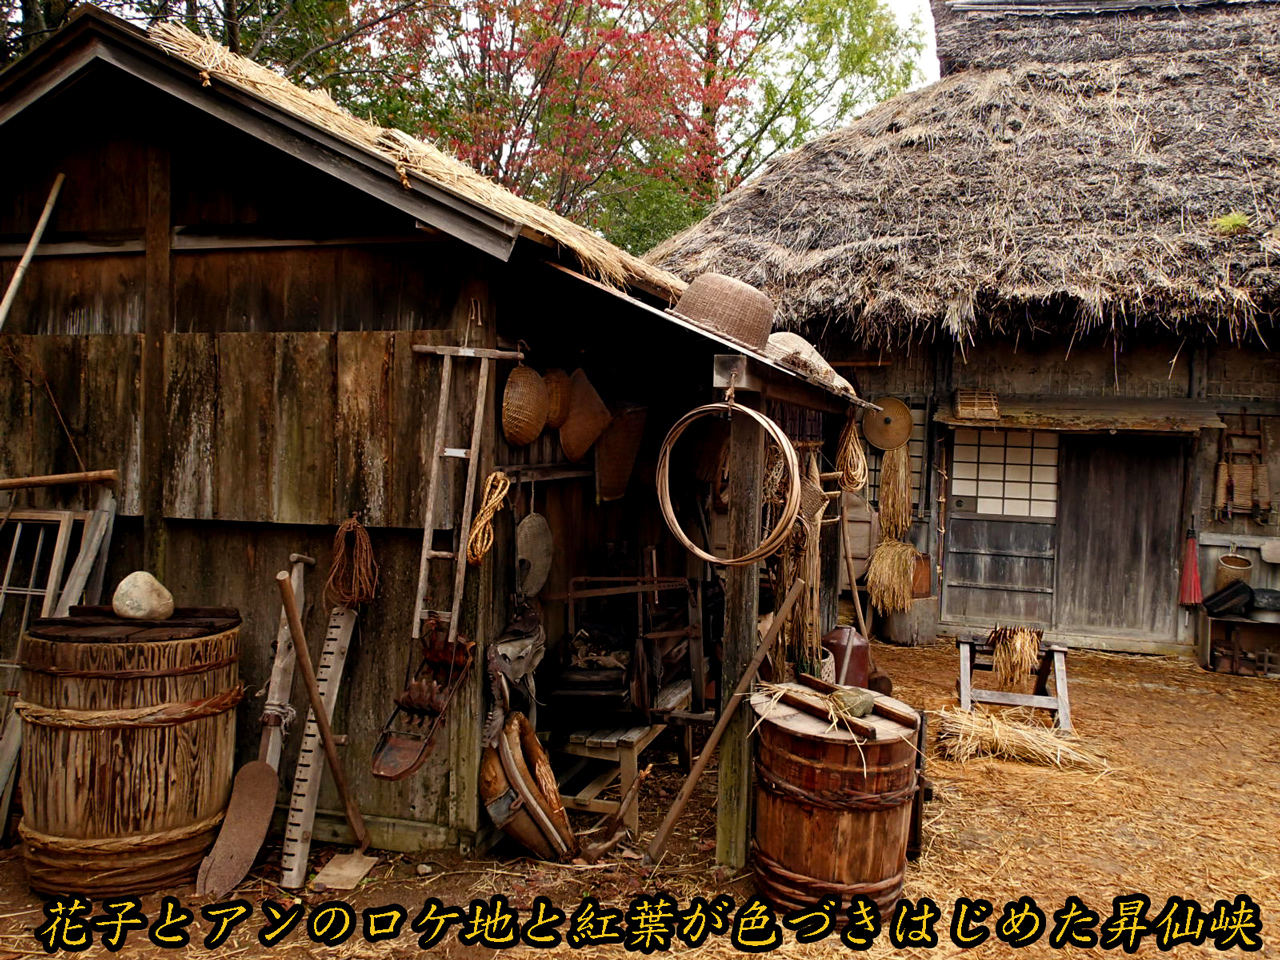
303 470
113 438
15 412
244 438
191 411
157 317
360 429
415 393
746 471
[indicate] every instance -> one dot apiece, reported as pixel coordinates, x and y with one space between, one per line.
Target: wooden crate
973 404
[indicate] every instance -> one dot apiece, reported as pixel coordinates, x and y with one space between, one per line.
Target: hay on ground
1011 735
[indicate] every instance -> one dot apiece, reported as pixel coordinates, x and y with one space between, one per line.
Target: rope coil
480 541
353 577
156 715
791 509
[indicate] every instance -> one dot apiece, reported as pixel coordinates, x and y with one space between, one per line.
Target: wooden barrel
833 811
128 748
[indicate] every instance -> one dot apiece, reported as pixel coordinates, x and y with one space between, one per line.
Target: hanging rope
851 459
353 577
495 497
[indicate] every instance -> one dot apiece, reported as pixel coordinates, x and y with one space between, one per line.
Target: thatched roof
1069 169
414 159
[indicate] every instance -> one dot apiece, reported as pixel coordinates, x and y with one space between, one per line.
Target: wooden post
157 317
742 595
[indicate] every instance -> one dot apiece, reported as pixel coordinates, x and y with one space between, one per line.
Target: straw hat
733 309
588 416
890 427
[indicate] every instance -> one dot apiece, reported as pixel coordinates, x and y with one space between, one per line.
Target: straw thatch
1012 735
1072 173
413 159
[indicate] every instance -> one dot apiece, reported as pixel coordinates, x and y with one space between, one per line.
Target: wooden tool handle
57 479
806 705
907 718
659 842
317 709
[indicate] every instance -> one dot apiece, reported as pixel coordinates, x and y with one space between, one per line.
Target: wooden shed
1058 222
225 308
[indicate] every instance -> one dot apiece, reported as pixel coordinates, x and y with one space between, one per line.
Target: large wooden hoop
778 536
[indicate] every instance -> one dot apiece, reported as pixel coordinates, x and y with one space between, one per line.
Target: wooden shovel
253 796
343 872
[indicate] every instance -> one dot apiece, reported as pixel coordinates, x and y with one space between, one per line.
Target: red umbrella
1189 593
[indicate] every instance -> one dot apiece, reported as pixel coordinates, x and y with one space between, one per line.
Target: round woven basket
524 406
557 382
588 416
735 310
1232 568
616 452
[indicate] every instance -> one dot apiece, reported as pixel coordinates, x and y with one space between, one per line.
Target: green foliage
1231 223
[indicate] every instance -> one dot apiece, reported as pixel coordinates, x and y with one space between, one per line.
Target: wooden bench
975 654
620 748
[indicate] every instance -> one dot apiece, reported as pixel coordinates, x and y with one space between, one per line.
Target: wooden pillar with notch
742 595
157 319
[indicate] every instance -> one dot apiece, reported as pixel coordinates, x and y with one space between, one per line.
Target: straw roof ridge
413 158
1083 193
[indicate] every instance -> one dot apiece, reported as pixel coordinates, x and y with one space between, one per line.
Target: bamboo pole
16 280
57 479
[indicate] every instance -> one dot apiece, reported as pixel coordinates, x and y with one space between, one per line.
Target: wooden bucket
128 749
853 794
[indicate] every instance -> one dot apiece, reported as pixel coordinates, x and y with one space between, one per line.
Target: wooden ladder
441 452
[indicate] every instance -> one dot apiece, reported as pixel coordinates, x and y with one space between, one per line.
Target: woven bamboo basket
735 310
524 406
128 750
588 416
1231 568
616 451
557 382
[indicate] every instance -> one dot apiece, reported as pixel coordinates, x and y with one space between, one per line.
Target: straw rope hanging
353 577
480 542
895 493
851 459
889 575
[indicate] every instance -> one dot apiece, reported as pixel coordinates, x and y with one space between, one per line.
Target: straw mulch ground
1190 806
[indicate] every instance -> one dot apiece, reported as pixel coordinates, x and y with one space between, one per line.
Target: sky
905 9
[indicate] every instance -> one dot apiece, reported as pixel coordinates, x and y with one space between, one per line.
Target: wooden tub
833 811
128 748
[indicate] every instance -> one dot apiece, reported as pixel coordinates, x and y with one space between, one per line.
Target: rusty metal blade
253 800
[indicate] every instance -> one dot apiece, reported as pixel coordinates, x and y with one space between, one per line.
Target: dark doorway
1119 525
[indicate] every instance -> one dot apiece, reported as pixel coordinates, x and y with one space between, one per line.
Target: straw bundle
843 706
963 735
851 459
1015 653
889 575
895 493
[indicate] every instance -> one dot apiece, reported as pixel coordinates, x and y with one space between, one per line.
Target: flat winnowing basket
588 416
977 405
616 451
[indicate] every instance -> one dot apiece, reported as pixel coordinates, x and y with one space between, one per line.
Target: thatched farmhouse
1080 216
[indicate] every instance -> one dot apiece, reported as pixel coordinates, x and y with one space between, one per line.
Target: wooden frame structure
975 654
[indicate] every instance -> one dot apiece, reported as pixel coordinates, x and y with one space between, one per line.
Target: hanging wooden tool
659 842
407 738
253 796
305 791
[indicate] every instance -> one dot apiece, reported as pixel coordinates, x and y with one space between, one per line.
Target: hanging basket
524 406
1231 568
557 382
616 451
588 416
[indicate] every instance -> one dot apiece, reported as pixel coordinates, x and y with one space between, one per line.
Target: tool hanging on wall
1243 481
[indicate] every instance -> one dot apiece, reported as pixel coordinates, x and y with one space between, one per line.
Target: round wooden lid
798 723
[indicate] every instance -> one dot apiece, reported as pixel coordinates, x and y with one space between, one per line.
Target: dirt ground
1190 806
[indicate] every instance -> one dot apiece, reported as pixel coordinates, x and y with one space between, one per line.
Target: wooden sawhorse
1053 657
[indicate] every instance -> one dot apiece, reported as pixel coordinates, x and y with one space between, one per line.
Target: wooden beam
58 479
741 607
157 318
